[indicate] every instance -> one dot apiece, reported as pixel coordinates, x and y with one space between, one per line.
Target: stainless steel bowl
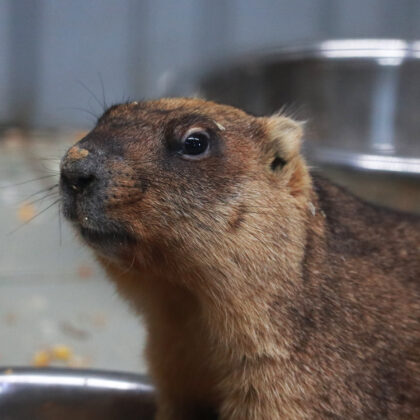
70 394
360 98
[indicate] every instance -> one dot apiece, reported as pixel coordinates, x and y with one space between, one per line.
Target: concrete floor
52 292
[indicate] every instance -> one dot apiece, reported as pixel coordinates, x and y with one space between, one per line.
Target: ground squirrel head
158 177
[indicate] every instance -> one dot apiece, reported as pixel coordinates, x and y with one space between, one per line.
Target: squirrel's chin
111 243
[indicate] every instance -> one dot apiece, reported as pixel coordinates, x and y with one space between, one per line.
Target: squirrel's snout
81 181
78 170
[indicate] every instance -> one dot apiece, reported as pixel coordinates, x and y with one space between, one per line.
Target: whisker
51 171
90 91
161 182
101 81
49 195
49 159
60 224
27 182
34 217
40 192
127 270
256 209
75 108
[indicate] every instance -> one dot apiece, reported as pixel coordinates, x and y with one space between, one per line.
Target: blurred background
62 62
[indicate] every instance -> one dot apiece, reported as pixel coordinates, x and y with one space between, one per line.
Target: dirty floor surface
56 306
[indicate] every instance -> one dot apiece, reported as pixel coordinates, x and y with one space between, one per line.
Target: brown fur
75 153
268 293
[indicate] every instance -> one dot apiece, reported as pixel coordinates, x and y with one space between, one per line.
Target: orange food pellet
41 358
61 352
26 212
84 271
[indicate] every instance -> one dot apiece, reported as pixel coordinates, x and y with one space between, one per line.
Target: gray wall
4 59
51 49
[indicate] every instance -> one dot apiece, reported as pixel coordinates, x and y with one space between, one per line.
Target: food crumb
84 271
26 212
8 372
41 358
61 352
57 355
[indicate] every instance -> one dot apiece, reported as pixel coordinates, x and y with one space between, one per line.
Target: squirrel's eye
195 143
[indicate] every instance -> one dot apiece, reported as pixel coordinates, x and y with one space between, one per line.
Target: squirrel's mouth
106 238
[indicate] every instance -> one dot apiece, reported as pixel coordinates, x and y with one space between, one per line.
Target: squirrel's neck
240 294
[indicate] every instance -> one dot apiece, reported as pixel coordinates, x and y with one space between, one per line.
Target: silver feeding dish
74 394
360 98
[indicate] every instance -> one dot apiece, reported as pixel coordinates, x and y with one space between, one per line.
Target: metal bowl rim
329 49
345 48
74 378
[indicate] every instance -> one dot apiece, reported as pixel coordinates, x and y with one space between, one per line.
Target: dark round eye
195 143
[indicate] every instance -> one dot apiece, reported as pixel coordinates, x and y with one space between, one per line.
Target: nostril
77 183
83 182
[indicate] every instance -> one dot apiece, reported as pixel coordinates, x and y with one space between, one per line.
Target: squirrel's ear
283 139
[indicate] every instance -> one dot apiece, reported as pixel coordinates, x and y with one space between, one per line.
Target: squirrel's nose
78 170
76 182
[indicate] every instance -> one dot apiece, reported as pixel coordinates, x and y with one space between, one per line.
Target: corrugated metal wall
49 49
